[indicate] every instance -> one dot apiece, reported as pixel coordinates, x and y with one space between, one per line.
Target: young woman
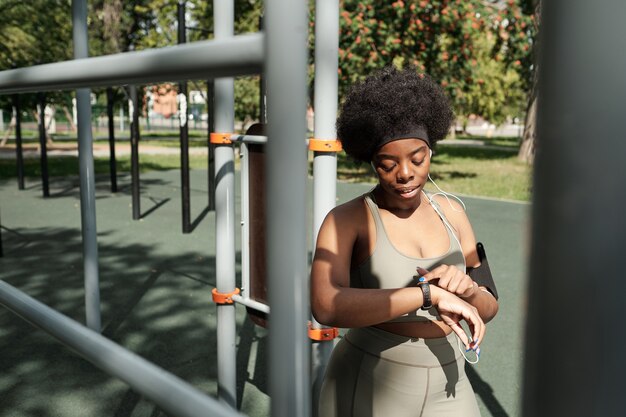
391 265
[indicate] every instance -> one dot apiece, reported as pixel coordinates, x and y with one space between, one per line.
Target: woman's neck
399 208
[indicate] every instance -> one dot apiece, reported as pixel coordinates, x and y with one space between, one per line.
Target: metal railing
285 40
167 390
239 55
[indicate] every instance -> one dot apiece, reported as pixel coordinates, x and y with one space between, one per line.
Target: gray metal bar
169 392
86 170
575 332
244 168
324 163
249 302
224 17
232 56
262 87
286 25
248 138
211 154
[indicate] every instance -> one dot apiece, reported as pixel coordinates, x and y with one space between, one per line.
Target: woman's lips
407 192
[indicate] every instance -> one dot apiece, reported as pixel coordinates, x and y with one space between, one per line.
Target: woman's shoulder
350 208
445 203
453 210
345 221
351 212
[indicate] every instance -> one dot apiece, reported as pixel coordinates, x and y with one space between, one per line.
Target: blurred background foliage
480 51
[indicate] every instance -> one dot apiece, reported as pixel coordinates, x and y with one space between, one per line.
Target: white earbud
431 152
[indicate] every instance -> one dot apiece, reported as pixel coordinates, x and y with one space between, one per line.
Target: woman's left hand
451 279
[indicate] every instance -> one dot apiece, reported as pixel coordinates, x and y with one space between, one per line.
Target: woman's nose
404 174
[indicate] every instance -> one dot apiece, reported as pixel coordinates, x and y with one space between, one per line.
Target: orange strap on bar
220 138
224 298
322 145
323 334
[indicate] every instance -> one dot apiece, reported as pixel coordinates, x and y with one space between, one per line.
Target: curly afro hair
392 104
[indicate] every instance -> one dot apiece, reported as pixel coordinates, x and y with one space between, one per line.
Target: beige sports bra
387 268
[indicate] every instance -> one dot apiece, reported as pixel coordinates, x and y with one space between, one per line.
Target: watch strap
425 286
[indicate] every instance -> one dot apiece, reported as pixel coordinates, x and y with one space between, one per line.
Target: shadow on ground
160 308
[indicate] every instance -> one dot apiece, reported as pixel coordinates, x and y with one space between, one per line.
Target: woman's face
402 167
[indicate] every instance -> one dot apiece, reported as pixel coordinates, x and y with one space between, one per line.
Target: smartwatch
425 286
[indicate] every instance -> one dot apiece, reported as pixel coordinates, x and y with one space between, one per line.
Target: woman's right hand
452 310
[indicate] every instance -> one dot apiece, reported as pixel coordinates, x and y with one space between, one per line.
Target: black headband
417 132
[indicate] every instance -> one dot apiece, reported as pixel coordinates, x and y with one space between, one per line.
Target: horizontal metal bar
238 55
249 302
169 392
248 138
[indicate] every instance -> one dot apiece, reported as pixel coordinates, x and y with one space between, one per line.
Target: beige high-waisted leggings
373 373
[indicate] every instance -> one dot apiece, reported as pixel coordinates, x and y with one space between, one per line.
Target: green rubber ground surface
156 301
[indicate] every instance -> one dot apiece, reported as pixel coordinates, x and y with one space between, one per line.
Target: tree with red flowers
479 51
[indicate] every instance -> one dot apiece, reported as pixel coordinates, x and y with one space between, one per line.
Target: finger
478 334
422 271
471 289
477 327
448 276
429 276
454 284
463 286
460 332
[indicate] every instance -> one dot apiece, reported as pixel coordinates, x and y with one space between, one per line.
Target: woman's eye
418 163
387 168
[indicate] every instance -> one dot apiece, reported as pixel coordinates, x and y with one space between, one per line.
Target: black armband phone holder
482 274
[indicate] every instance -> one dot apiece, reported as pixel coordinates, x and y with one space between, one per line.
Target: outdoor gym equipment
226 56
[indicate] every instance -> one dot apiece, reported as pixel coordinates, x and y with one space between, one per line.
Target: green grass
470 170
102 134
62 166
465 170
499 141
482 172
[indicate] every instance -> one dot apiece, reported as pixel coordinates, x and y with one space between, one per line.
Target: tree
529 144
157 24
475 49
32 33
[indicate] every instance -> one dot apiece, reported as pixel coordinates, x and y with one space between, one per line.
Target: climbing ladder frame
284 40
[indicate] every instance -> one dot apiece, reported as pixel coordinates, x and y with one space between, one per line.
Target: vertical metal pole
286 24
43 151
1 250
223 16
245 185
262 87
112 161
86 170
262 99
244 168
133 112
574 364
19 154
211 154
324 163
183 118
